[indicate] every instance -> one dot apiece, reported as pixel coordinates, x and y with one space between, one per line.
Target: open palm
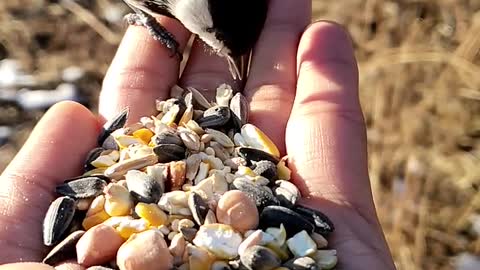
303 81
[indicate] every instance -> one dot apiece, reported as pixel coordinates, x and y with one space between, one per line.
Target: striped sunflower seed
115 123
57 220
85 187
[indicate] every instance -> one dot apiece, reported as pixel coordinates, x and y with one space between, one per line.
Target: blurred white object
72 73
11 75
5 133
42 99
467 261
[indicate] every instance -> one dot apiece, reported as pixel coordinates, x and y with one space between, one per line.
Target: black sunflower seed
116 123
81 188
240 110
262 195
142 187
91 156
266 169
215 117
259 258
273 215
64 250
323 225
198 207
169 152
168 137
57 220
252 154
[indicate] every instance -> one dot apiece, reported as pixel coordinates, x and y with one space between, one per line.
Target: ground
419 87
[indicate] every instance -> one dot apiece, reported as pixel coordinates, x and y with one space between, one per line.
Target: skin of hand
303 81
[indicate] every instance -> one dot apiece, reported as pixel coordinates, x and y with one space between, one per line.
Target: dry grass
419 79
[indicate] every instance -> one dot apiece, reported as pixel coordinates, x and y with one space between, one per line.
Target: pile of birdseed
194 187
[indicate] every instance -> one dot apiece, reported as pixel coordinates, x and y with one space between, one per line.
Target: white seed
164 229
325 258
239 140
301 244
169 117
194 126
178 245
224 94
220 239
202 173
319 240
220 137
119 169
185 223
193 163
190 139
206 138
215 163
171 235
174 225
209 151
210 218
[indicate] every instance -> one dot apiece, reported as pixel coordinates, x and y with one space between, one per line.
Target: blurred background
419 87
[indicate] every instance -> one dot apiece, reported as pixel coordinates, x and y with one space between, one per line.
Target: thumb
54 151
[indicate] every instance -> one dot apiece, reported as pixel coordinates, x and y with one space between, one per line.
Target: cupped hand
303 93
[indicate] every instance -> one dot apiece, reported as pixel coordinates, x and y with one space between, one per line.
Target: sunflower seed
262 195
198 207
220 137
119 169
57 220
240 110
266 169
169 152
302 263
176 91
259 258
215 117
287 193
293 222
188 233
199 99
220 265
116 123
64 250
86 187
323 225
91 156
190 139
252 154
143 187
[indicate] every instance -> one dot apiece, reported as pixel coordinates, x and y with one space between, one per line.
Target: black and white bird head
230 27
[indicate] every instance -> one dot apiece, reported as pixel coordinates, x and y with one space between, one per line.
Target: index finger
142 70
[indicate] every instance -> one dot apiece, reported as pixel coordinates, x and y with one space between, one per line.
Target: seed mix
193 187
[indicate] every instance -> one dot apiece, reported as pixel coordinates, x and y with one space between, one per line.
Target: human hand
303 82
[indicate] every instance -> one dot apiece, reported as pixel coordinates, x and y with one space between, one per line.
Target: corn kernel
244 170
129 227
284 173
95 219
143 134
257 139
117 200
151 213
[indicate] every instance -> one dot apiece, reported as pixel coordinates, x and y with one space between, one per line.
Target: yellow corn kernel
117 200
284 173
128 228
151 213
96 206
143 134
244 170
257 139
95 219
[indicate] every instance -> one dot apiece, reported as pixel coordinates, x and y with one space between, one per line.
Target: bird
229 27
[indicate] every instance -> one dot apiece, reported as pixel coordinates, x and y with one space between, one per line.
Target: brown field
419 87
